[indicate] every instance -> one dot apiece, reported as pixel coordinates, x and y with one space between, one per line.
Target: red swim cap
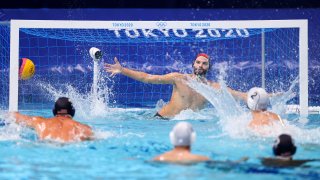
203 55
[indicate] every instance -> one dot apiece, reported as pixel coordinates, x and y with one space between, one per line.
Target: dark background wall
161 4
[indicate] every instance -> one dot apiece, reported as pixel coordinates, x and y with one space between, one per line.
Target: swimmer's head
182 134
63 103
257 99
201 64
284 146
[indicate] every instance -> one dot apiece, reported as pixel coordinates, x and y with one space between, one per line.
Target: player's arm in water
140 76
30 121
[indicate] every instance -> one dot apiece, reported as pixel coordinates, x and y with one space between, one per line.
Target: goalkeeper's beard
199 72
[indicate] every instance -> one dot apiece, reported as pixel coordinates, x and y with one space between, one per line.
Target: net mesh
61 57
4 65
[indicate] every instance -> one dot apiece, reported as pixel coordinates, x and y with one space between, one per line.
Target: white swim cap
257 99
182 134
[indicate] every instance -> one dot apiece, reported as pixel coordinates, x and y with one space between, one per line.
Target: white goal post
302 24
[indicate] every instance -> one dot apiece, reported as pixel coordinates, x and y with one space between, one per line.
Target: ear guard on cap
257 99
187 141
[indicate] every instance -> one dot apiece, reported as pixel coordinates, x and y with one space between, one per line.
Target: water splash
160 103
300 135
188 114
101 134
88 105
11 131
233 118
278 102
221 99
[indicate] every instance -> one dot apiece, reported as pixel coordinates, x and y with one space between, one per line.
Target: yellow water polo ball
27 69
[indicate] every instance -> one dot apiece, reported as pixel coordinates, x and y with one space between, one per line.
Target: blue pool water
127 139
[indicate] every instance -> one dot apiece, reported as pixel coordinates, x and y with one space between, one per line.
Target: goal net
267 53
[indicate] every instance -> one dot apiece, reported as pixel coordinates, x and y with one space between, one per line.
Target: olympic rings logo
161 24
